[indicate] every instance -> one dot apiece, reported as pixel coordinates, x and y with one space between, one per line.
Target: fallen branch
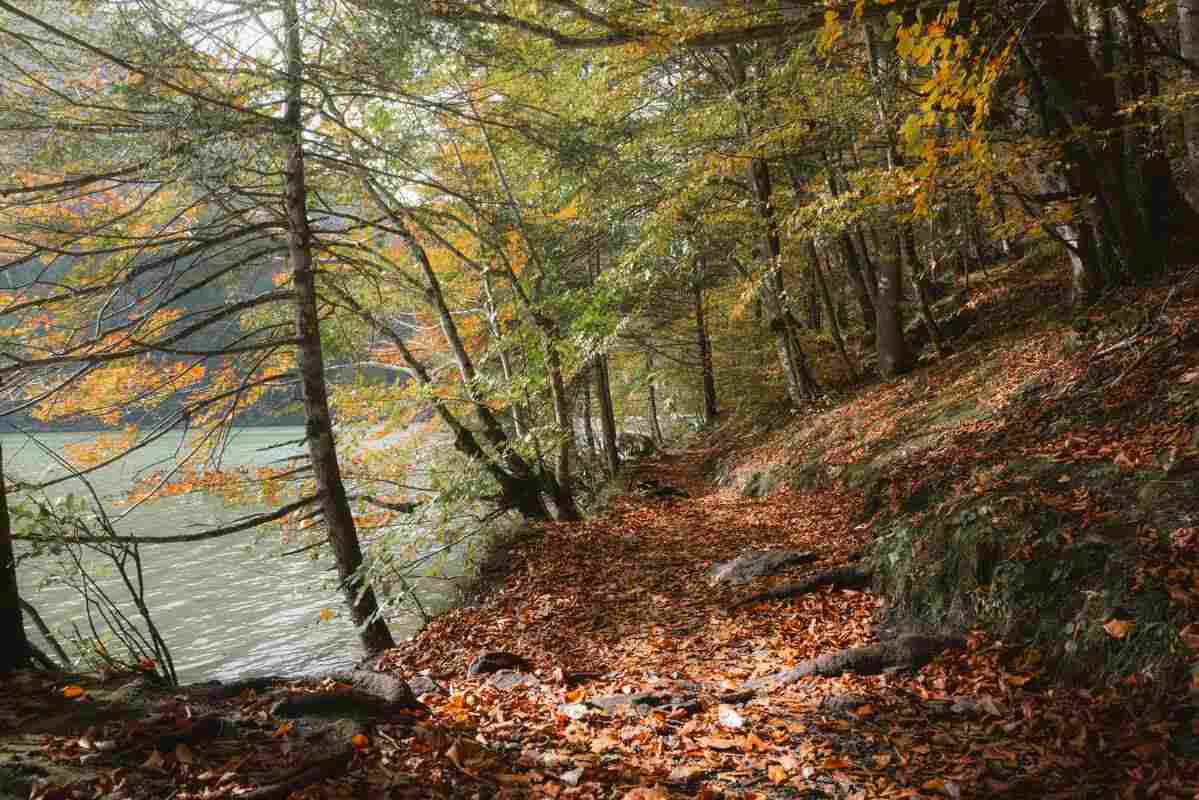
853 576
907 652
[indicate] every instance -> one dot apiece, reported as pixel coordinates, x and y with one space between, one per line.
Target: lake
226 607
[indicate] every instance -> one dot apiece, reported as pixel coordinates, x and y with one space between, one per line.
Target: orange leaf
72 690
1118 628
776 773
717 742
360 741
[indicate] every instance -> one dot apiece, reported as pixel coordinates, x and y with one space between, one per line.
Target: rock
388 688
730 718
575 678
644 702
635 445
756 564
423 684
508 679
659 491
610 703
348 704
491 661
574 710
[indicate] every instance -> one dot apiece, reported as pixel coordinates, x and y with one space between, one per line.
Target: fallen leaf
603 743
72 690
1118 628
360 740
729 717
684 774
183 754
776 773
717 742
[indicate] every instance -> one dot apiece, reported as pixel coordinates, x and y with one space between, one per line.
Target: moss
812 474
760 484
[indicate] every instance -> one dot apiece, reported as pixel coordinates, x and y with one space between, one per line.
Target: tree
176 217
14 652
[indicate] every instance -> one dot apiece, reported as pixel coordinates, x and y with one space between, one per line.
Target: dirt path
625 598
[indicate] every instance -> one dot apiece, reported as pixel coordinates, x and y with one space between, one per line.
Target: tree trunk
14 652
707 374
1188 46
1147 178
853 265
893 356
800 387
564 498
339 521
834 324
1078 105
588 429
603 391
655 428
920 283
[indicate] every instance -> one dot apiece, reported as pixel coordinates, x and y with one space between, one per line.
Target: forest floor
621 606
620 669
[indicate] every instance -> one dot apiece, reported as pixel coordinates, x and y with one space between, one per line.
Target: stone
635 445
574 710
491 661
423 684
347 704
508 679
643 703
756 564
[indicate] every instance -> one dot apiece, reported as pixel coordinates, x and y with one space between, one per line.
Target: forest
809 390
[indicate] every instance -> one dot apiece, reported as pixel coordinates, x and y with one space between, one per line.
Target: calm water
226 607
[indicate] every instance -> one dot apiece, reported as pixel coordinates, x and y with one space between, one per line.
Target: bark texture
339 521
13 650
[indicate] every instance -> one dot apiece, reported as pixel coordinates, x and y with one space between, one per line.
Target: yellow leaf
1118 628
776 773
327 614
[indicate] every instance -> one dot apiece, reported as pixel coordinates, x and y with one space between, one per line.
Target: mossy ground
1039 482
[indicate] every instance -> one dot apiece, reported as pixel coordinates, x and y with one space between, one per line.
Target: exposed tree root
852 576
907 653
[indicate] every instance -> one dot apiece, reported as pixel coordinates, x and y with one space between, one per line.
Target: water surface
226 607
